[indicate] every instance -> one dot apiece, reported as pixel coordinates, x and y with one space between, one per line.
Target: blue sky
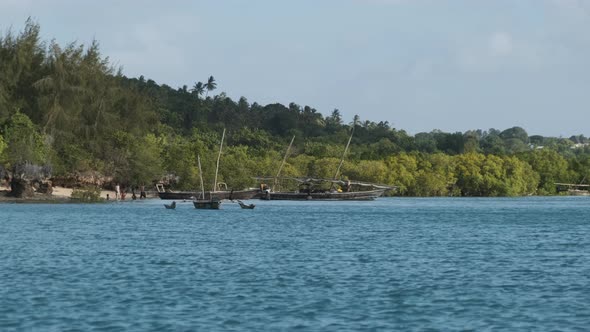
452 65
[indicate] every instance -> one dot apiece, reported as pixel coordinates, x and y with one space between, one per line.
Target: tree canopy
67 107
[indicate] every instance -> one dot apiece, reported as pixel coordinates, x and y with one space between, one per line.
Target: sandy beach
67 192
59 194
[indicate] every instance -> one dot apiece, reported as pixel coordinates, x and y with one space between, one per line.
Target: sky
421 65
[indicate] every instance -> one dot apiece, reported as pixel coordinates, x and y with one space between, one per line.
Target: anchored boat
220 189
326 190
321 189
245 194
200 202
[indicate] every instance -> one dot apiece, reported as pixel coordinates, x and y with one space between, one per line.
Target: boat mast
283 163
344 153
218 157
201 177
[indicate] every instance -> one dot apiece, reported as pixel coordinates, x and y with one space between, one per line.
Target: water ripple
391 264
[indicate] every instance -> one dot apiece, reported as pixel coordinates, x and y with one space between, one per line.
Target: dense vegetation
65 108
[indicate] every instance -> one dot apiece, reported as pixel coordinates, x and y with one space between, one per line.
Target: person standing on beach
117 191
142 192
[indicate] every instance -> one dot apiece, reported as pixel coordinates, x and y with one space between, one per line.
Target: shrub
89 194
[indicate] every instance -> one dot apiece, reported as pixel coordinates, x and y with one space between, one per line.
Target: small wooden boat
313 189
213 203
573 189
210 204
219 190
246 206
165 193
318 189
171 206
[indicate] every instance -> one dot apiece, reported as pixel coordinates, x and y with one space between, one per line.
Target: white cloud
500 44
569 4
15 4
574 9
496 51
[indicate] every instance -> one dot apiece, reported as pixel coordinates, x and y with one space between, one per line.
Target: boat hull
574 192
177 195
207 204
187 195
368 195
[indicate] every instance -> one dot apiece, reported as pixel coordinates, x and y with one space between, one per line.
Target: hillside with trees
67 114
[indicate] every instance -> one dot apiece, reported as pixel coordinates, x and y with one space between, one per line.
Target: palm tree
198 89
336 118
355 120
210 85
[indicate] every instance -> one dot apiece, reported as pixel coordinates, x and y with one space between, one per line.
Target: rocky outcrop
27 179
21 188
44 187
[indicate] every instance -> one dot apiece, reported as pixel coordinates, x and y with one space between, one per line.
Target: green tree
435 176
21 63
146 162
237 168
551 167
180 162
471 139
210 85
3 145
334 121
23 142
469 177
491 142
402 172
520 177
425 142
449 143
198 89
60 91
515 133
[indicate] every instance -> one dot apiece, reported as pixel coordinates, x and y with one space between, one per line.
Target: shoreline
59 195
63 195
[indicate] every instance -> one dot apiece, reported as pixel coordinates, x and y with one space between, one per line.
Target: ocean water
394 264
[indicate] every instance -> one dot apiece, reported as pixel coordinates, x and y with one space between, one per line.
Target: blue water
393 264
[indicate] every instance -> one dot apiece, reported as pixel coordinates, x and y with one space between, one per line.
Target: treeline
68 109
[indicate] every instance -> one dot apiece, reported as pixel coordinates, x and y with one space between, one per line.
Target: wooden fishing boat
321 189
368 195
213 203
573 189
327 190
220 189
245 194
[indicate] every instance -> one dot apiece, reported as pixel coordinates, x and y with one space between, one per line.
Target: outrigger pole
218 157
344 153
283 163
201 177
